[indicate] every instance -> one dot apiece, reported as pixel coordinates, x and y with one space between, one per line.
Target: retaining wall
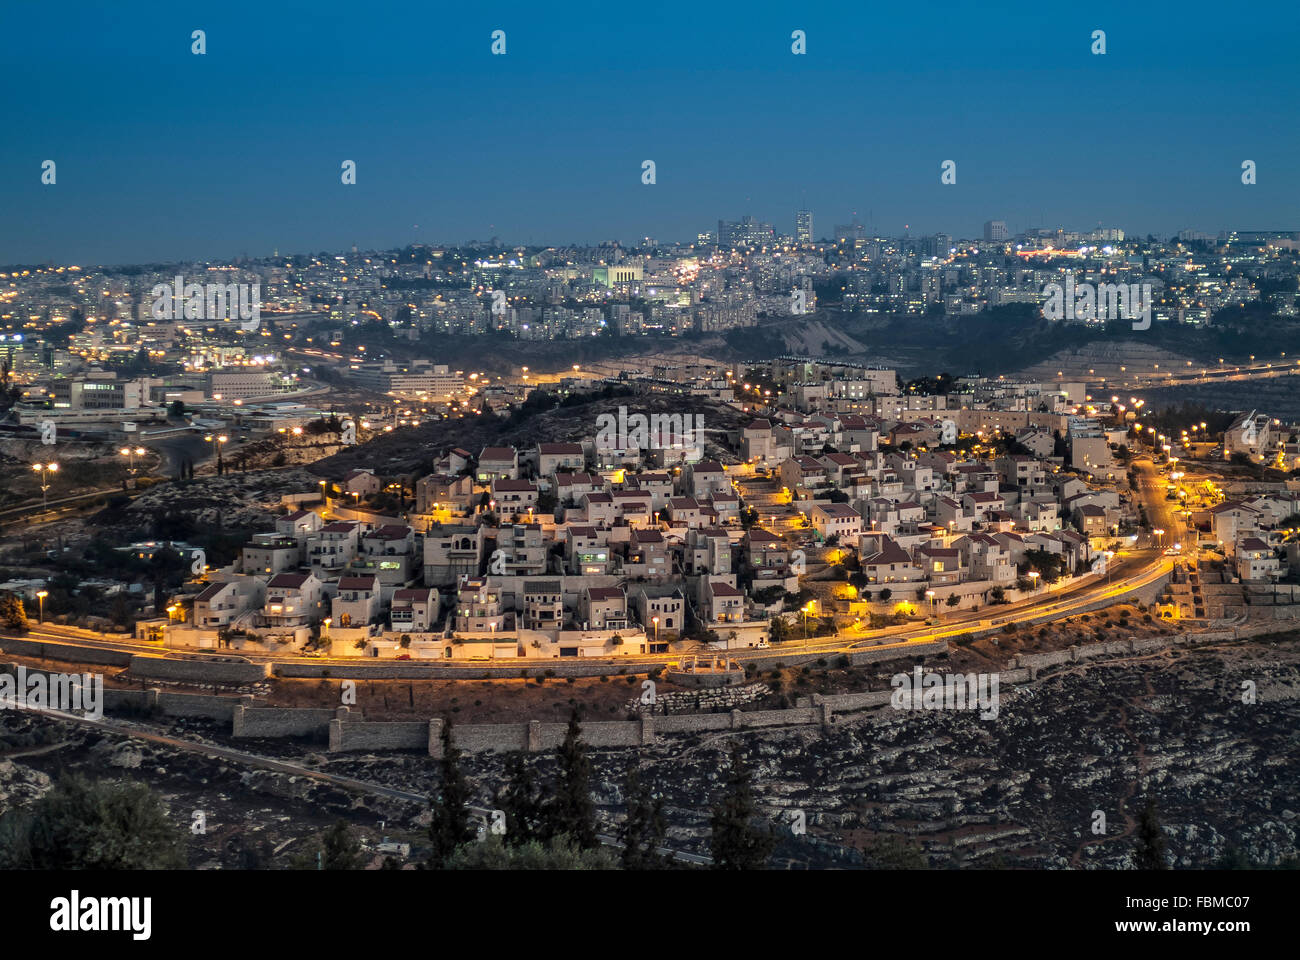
875 654
198 705
382 735
197 671
255 721
66 652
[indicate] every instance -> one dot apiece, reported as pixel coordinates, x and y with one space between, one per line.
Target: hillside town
844 505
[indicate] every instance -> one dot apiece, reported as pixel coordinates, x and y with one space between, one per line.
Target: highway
1174 376
1141 568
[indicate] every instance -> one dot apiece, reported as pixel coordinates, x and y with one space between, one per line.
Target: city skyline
821 238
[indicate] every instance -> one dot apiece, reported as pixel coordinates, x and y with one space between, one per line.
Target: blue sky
164 155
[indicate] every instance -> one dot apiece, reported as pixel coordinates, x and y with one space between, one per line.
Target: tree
644 829
1150 854
952 600
521 801
737 843
559 853
1050 565
85 825
450 826
886 594
336 849
571 813
341 850
12 613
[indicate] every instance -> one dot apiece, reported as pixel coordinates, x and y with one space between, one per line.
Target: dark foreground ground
936 789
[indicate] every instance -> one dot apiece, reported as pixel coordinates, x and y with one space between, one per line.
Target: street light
218 441
325 627
655 621
44 469
1160 534
40 597
1033 579
131 453
930 594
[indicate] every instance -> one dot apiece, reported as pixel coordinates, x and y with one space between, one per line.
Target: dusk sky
164 155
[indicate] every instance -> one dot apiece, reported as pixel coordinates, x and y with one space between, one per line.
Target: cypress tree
644 829
450 826
572 813
1150 854
521 801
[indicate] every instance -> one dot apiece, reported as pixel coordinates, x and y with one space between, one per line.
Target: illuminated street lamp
218 441
655 621
1033 578
325 628
40 598
1160 534
930 595
45 469
131 453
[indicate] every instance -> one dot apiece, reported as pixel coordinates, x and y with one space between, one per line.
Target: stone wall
722 698
386 735
816 710
365 669
199 705
153 700
875 654
67 652
257 721
198 671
